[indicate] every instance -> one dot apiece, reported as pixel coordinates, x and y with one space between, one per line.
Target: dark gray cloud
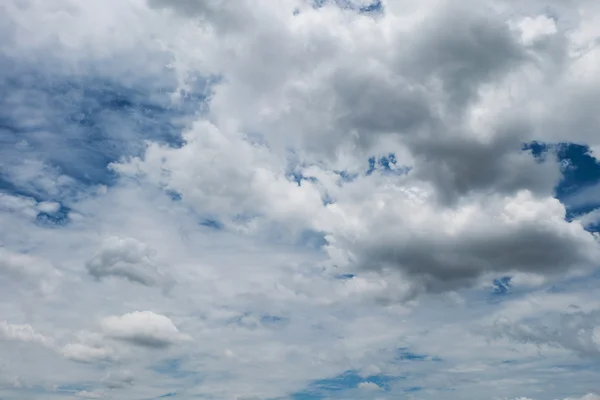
459 166
441 262
463 46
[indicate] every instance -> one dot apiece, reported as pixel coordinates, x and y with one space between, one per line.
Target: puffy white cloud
436 100
126 258
535 29
48 206
143 328
234 180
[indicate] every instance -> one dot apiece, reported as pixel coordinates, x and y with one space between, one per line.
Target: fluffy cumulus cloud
126 258
299 199
143 328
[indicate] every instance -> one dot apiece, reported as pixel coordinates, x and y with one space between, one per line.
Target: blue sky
299 200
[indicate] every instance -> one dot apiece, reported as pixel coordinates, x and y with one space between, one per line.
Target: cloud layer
299 199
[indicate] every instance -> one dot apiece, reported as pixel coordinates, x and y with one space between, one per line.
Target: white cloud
143 328
534 29
126 258
86 354
22 333
368 386
452 89
256 182
29 271
48 206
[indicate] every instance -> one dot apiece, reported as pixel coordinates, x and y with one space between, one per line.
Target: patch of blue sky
320 389
582 168
175 196
501 286
296 176
212 223
273 320
172 368
250 320
386 165
311 239
374 7
404 354
579 188
72 126
56 218
346 176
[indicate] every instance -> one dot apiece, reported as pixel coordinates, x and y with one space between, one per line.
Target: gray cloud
443 248
459 166
441 263
125 258
578 332
220 14
463 45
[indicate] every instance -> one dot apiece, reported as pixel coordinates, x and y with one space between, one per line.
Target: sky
299 199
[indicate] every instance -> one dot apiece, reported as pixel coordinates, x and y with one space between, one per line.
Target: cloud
535 29
29 271
256 182
118 380
577 332
516 233
87 354
48 206
368 386
467 156
318 180
124 258
22 333
143 328
589 396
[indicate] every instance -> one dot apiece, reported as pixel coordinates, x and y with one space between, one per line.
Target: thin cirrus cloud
299 199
